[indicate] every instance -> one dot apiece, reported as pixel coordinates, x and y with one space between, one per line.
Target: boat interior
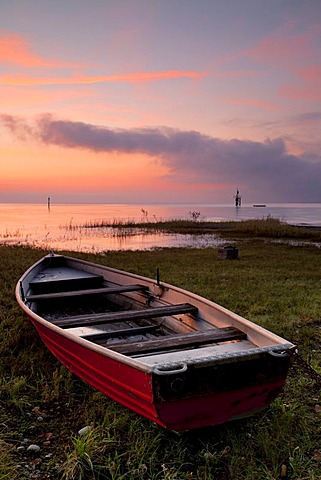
127 319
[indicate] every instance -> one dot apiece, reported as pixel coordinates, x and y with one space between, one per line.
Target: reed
272 284
268 227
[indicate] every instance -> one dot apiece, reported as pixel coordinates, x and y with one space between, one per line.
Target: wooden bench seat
66 279
99 337
123 316
179 341
90 291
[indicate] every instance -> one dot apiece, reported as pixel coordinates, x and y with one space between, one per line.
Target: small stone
84 430
284 471
33 448
317 408
21 448
208 455
317 455
36 462
40 419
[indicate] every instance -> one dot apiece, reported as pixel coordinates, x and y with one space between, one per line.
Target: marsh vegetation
274 285
268 227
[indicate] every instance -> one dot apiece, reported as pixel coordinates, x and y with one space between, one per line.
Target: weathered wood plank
110 317
179 341
90 291
101 336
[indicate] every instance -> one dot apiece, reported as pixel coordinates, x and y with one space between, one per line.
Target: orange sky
157 103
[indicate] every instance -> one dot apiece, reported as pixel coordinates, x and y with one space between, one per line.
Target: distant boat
259 205
172 356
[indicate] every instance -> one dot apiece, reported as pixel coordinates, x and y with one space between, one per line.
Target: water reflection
61 226
101 239
63 229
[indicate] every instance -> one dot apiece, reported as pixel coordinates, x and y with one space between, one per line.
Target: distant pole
48 203
238 199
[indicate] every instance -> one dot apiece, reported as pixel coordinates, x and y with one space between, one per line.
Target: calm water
61 227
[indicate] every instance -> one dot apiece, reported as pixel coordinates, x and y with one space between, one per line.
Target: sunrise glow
154 103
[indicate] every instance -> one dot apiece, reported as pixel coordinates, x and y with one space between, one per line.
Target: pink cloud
311 73
307 88
277 49
13 97
287 51
191 157
254 103
16 50
139 77
285 47
304 91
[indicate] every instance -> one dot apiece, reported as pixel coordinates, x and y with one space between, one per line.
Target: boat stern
189 396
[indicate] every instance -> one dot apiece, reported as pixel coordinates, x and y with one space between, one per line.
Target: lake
63 226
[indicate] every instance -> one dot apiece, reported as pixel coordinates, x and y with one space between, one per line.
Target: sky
160 101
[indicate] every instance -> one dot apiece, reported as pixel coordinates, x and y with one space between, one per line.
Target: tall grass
269 227
274 285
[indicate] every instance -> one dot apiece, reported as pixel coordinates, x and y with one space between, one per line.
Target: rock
317 455
33 448
284 471
21 448
84 430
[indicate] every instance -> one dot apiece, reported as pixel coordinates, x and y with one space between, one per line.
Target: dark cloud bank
263 170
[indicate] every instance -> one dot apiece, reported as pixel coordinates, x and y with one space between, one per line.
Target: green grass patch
273 284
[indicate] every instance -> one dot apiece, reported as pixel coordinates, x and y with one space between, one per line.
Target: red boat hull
154 397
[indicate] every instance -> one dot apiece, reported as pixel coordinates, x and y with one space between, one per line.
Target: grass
268 227
272 284
8 467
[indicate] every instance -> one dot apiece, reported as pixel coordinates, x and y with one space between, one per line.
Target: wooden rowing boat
174 357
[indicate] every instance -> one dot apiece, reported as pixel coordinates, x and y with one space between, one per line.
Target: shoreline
148 236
